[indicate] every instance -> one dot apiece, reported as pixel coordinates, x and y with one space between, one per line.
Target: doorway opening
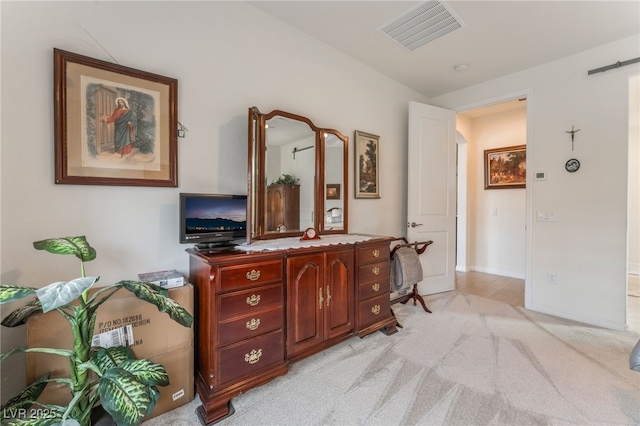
491 223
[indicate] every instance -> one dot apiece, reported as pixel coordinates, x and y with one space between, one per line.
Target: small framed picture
367 162
333 191
113 125
505 167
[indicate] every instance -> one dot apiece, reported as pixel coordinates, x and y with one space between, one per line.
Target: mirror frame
256 175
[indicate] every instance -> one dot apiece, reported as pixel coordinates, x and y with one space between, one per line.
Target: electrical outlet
552 278
546 216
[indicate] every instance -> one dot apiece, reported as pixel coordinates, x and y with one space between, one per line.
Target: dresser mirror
297 176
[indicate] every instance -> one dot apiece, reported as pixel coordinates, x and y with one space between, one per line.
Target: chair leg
415 296
424 305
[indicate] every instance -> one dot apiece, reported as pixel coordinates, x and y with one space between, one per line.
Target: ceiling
497 38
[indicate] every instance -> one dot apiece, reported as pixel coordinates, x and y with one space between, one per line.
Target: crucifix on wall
572 132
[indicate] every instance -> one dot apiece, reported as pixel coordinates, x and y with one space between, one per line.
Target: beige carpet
474 361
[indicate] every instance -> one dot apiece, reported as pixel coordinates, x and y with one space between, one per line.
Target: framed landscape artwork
505 167
113 125
367 162
333 191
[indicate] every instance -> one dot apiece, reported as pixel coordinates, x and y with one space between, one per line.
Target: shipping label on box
122 336
165 279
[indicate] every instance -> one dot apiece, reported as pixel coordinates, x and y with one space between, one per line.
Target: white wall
634 175
496 217
227 56
587 246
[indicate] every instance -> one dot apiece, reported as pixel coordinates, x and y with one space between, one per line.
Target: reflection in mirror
289 174
334 149
291 162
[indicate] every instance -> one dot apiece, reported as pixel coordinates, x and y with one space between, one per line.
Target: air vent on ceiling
422 24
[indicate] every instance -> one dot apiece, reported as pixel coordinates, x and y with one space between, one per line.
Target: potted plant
125 387
285 179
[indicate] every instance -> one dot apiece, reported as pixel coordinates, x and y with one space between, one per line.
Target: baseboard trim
549 310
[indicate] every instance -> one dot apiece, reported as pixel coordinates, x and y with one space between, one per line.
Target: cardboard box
180 390
165 279
156 337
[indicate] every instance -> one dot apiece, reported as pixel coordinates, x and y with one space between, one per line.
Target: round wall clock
572 165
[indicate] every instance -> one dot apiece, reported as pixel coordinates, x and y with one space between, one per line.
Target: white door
431 193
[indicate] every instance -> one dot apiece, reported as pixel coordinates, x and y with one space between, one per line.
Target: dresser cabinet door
339 293
305 302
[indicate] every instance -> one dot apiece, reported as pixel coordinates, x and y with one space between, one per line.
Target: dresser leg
202 415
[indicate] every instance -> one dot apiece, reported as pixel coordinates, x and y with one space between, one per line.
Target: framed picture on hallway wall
505 167
367 165
113 125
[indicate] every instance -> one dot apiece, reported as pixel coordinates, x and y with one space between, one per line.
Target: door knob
413 224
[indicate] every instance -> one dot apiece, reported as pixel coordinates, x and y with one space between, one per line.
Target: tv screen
208 220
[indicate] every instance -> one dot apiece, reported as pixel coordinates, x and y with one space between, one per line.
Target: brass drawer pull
253 324
375 287
320 298
253 356
376 271
376 253
375 310
253 300
253 275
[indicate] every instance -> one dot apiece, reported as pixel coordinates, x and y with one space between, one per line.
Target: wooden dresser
257 312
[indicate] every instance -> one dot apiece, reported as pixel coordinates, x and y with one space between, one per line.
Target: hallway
505 289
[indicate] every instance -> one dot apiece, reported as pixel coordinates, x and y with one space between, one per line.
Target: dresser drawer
239 276
250 325
250 356
373 253
247 301
378 271
374 288
374 309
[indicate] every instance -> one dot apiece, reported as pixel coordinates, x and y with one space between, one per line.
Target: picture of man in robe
126 127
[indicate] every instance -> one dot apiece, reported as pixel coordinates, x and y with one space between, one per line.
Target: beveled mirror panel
335 178
290 161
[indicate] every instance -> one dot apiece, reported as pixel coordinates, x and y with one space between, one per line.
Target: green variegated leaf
152 294
25 399
142 288
124 397
21 315
148 372
77 246
62 352
9 293
108 358
60 293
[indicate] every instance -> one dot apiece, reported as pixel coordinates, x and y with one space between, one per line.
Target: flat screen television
211 220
